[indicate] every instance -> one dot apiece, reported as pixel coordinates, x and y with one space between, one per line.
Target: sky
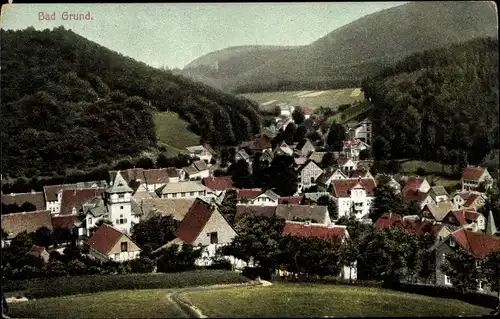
174 34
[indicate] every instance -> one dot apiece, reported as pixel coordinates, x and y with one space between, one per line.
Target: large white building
354 197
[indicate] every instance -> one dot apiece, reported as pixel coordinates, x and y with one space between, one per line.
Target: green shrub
61 286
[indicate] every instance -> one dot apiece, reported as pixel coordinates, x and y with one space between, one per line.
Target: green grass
300 300
330 98
150 303
172 132
429 167
353 113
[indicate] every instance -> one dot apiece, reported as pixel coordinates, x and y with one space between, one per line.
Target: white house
185 189
286 110
473 177
283 149
197 170
467 218
362 131
325 179
308 174
347 164
257 197
464 199
439 194
108 243
53 196
354 197
200 151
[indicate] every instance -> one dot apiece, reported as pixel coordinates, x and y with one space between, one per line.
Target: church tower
118 198
491 228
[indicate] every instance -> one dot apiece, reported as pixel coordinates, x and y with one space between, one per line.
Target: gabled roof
472 173
306 230
218 183
388 220
438 190
16 223
105 238
342 187
413 183
267 211
410 195
191 170
304 144
156 176
317 213
119 185
75 198
244 155
440 210
181 187
172 172
300 161
200 165
194 221
51 191
177 208
476 243
310 164
130 174
35 198
260 143
360 173
464 216
293 200
269 193
248 193
197 149
64 222
317 157
37 249
471 199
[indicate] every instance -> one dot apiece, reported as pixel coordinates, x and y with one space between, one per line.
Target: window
124 246
121 220
201 193
213 238
117 256
183 194
452 243
191 193
312 180
121 207
447 280
90 220
121 196
174 195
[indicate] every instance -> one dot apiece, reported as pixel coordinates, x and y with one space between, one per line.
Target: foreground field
151 303
311 99
306 300
172 132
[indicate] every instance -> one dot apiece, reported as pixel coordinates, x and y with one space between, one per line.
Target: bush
254 272
142 265
55 268
61 286
421 171
220 264
76 267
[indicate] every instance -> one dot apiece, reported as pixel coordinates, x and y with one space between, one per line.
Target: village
327 195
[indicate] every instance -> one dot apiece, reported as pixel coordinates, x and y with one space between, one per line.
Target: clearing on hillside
317 300
311 99
172 132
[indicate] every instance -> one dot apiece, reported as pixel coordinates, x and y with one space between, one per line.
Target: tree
27 207
298 115
491 272
155 231
463 269
240 174
289 133
336 137
142 265
328 201
145 163
364 154
386 200
162 161
328 160
284 178
224 157
55 268
43 237
76 267
124 165
492 202
300 134
177 258
228 205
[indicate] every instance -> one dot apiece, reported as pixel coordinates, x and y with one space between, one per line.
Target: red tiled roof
414 195
472 173
350 143
218 183
465 216
387 220
51 191
37 249
478 244
65 222
294 200
194 221
413 183
16 223
75 198
341 187
267 211
105 238
156 176
299 229
260 143
470 200
248 193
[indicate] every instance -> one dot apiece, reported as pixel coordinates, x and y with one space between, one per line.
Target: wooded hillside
439 105
68 102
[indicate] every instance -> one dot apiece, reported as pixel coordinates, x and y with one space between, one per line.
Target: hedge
72 285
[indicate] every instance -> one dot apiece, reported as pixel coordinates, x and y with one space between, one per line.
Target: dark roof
413 183
37 249
35 198
16 223
156 176
194 221
248 193
105 238
294 200
75 198
52 190
315 212
65 222
267 211
260 143
478 244
200 165
218 183
388 220
472 173
439 190
414 195
342 187
300 229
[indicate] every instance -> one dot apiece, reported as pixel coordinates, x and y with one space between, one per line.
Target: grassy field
172 132
311 99
434 172
301 300
150 303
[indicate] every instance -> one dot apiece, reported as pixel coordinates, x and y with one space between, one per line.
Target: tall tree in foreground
328 201
240 174
154 232
228 205
463 269
386 200
298 115
336 137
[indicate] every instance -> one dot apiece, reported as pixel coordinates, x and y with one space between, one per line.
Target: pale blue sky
174 34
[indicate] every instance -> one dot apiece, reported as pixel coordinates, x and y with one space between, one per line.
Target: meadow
172 133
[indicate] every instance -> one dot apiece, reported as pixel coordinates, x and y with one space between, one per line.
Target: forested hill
68 102
439 105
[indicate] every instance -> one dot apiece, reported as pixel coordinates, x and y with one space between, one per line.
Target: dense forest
440 105
68 102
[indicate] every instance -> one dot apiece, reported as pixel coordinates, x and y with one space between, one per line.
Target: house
354 197
35 198
257 197
109 243
392 182
325 179
361 131
244 196
313 213
197 170
174 175
204 226
468 200
39 252
477 244
328 232
300 161
292 200
353 147
218 184
474 177
115 204
130 175
53 195
417 183
177 208
200 151
317 157
360 173
260 143
283 149
140 191
304 148
243 210
72 200
308 174
436 212
186 189
156 178
467 218
416 190
16 223
242 155
267 155
389 220
439 194
312 198
347 164
286 110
